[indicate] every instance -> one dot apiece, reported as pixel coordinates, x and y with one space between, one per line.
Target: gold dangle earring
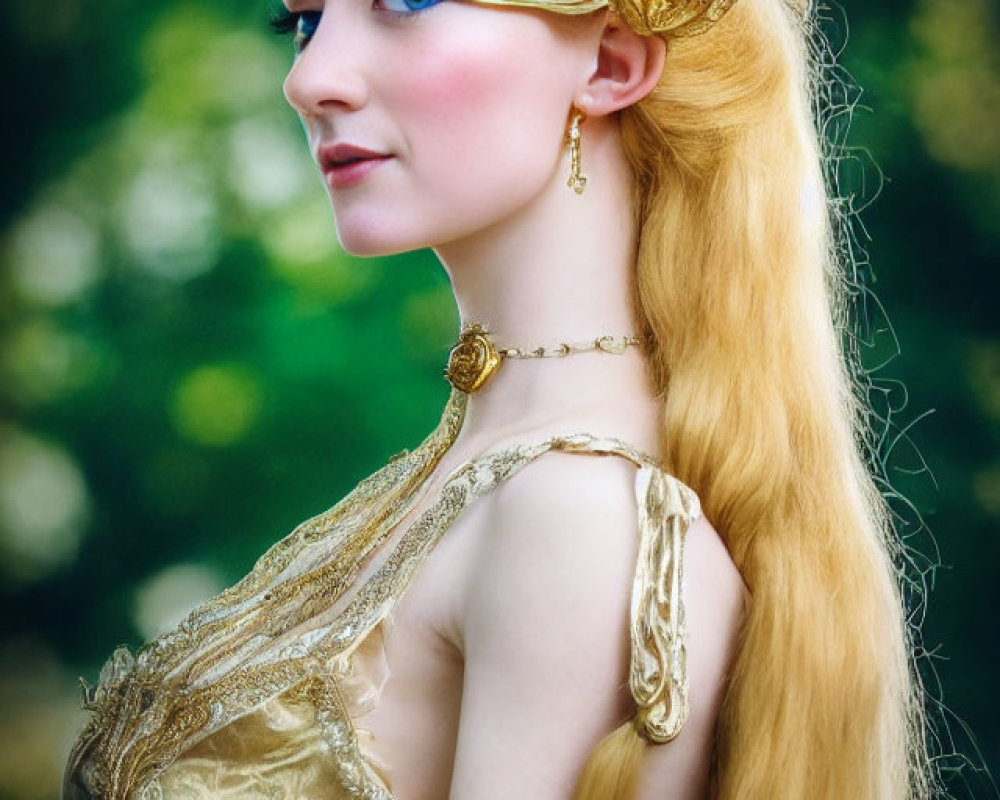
577 180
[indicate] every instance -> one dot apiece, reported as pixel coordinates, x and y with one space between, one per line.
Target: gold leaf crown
671 17
646 17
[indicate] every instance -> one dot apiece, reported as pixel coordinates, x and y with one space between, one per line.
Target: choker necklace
475 358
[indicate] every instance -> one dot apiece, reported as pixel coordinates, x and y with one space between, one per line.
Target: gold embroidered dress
256 693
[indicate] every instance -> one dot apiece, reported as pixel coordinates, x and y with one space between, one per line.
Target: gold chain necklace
475 358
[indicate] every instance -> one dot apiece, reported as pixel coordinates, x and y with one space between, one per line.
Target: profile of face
467 104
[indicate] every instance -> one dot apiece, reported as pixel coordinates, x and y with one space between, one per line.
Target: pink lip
346 165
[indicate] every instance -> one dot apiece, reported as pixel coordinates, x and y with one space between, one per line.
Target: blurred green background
189 365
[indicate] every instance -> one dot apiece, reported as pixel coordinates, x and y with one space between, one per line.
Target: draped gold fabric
257 692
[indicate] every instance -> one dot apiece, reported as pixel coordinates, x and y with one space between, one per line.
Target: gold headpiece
672 17
646 17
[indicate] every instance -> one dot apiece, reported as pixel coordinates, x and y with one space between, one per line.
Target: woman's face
467 103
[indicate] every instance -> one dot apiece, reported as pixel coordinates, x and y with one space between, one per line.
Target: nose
328 73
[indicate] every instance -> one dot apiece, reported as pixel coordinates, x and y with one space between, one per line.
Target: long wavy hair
741 292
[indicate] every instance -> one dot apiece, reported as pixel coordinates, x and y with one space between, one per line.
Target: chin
373 240
367 249
369 233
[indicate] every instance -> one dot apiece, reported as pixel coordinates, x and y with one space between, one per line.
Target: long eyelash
283 21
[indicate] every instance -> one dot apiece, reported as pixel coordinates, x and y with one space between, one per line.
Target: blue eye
407 7
306 29
302 25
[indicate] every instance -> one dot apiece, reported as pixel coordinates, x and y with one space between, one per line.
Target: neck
559 270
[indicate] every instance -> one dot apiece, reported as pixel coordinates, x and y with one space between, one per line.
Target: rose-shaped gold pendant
473 360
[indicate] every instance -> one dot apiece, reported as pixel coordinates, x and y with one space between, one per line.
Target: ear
628 68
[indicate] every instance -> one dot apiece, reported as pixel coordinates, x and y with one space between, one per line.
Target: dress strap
657 631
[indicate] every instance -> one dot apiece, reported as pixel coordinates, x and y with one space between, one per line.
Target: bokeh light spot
956 82
40 362
217 405
303 233
163 601
54 257
167 219
259 63
197 66
986 488
44 505
305 253
984 376
268 166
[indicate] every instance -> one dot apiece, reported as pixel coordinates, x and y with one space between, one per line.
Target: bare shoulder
545 627
567 505
562 527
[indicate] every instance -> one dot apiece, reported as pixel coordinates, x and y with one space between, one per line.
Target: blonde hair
741 294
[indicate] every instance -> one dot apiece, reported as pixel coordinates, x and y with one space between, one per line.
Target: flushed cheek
467 111
454 84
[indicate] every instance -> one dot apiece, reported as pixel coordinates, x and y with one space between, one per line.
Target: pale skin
508 656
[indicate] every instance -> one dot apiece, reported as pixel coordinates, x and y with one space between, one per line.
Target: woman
639 189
